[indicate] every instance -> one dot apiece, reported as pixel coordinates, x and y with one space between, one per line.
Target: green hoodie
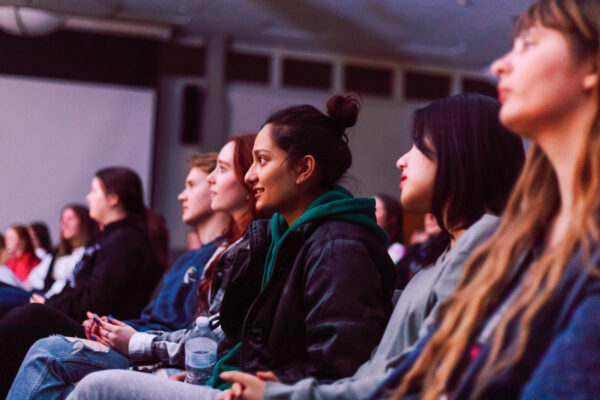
336 204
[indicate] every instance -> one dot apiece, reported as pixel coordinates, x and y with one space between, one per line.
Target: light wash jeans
127 385
55 364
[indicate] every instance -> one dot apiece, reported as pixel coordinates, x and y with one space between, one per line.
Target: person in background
156 225
524 321
2 250
155 337
388 212
40 238
449 174
55 270
117 273
21 253
417 237
420 240
76 229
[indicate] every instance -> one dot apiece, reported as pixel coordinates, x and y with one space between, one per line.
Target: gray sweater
414 312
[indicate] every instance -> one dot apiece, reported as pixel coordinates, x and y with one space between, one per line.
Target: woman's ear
112 199
590 80
305 169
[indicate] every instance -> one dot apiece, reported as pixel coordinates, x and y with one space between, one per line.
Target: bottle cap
202 321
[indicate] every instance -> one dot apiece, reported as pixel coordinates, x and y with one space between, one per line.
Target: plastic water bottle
200 353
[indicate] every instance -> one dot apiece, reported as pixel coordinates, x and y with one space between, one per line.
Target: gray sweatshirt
414 312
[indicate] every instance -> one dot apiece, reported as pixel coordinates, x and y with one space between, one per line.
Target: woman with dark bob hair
318 284
117 273
459 149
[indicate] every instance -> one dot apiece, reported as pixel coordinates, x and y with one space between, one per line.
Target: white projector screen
55 134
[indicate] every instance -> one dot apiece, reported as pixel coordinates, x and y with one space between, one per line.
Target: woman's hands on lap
247 386
109 331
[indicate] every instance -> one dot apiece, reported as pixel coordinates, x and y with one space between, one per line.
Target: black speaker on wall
193 115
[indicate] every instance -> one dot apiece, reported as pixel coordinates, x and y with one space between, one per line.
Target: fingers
237 376
178 377
94 330
236 390
87 324
267 376
105 337
115 321
226 395
36 298
91 315
88 333
106 325
101 340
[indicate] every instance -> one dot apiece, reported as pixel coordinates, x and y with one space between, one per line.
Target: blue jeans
55 364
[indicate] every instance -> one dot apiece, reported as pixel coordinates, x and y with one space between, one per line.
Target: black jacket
324 308
117 274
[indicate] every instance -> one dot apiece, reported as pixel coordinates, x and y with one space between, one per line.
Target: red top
22 265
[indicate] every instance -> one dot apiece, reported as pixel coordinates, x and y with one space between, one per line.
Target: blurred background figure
418 236
159 236
388 212
419 240
55 270
76 228
40 239
21 254
2 250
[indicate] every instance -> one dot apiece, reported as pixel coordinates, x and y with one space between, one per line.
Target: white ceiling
457 32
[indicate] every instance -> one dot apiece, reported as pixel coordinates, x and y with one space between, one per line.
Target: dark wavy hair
478 161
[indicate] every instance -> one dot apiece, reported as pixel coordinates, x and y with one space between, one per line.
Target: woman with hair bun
316 294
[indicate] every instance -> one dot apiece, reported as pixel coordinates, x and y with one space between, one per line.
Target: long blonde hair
534 203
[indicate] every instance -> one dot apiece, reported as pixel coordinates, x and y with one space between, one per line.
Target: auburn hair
535 202
242 160
24 238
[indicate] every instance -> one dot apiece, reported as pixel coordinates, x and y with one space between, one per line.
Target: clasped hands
109 331
246 386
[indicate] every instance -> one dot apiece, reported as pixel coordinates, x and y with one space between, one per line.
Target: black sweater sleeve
118 278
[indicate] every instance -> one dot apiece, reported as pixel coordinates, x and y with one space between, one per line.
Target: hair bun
343 110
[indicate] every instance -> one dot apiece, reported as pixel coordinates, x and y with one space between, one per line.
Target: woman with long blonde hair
525 319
